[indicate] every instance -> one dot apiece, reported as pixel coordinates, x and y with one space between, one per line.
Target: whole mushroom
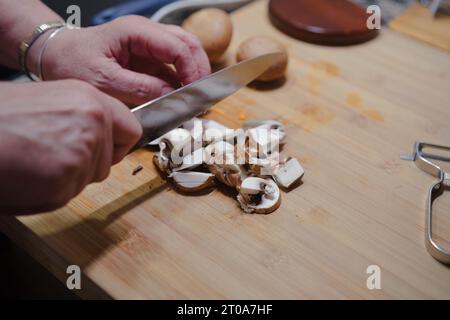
259 45
213 28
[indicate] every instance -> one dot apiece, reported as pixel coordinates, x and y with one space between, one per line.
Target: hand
56 138
129 58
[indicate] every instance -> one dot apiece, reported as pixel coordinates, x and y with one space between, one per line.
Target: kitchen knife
168 112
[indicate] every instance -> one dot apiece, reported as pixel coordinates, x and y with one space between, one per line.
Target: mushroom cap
259 45
213 28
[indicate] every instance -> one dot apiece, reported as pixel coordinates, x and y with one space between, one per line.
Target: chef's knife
168 112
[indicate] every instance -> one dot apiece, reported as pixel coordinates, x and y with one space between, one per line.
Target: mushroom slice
263 142
219 152
288 172
252 185
214 131
161 161
191 161
191 182
175 137
229 174
263 201
267 125
256 123
265 166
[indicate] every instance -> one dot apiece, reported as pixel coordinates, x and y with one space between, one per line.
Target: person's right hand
55 138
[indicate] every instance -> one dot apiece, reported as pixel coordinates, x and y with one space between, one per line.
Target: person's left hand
131 58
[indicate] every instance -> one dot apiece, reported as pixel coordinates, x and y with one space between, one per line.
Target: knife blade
168 112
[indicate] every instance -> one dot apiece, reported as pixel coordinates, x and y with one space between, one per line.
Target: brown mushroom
259 45
213 28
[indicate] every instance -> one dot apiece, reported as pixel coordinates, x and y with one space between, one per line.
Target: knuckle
144 88
94 113
183 50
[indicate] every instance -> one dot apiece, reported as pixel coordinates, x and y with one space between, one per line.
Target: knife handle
139 7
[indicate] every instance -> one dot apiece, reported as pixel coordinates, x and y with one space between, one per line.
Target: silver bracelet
44 47
26 44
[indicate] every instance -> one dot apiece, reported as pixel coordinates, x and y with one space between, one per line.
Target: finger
136 88
156 69
150 38
105 148
125 129
198 53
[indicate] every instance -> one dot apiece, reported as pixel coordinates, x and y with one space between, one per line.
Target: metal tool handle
436 251
422 161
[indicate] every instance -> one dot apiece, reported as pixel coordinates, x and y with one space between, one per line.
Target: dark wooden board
326 22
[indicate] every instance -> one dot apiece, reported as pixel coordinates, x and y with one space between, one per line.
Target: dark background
88 7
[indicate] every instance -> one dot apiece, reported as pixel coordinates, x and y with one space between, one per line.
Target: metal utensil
163 114
422 161
139 7
176 12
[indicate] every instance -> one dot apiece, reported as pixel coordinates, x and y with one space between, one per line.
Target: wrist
29 43
34 61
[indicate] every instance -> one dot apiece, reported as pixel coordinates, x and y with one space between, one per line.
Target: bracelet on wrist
26 44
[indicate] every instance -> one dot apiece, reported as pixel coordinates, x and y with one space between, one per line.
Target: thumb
136 88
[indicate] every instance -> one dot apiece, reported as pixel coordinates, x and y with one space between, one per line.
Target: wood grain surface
418 22
349 113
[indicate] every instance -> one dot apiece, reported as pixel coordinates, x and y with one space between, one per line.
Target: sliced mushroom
252 185
248 161
160 159
288 173
191 161
267 125
177 138
214 131
219 152
262 142
273 124
191 182
229 174
264 166
174 137
263 201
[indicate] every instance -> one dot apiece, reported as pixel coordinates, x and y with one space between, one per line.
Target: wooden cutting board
349 113
418 23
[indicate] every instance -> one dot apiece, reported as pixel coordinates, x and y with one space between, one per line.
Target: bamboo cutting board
349 113
418 22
